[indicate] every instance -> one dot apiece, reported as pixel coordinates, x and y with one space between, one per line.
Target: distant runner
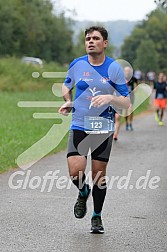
160 87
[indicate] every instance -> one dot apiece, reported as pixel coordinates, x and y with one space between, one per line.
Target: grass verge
18 129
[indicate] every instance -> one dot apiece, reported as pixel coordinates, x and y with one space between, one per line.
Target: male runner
95 77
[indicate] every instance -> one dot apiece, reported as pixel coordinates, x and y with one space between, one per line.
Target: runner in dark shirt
160 88
131 83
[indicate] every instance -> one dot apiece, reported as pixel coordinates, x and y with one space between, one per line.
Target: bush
15 75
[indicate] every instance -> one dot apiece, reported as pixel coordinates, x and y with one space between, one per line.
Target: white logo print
94 92
104 80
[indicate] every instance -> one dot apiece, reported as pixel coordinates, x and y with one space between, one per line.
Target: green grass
18 129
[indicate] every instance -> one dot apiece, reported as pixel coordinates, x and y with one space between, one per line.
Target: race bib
98 125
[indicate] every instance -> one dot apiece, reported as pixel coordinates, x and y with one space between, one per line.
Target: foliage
17 76
147 46
161 3
30 28
80 45
147 61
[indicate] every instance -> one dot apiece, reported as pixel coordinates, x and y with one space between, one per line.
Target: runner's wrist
111 99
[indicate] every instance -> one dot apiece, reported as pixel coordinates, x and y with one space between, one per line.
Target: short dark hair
100 29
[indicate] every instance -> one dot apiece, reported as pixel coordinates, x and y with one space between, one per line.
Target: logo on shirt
94 92
86 78
86 74
104 79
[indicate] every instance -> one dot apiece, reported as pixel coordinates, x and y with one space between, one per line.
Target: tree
147 61
161 3
131 43
31 28
154 30
79 48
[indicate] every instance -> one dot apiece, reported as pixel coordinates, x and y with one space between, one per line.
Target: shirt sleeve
69 81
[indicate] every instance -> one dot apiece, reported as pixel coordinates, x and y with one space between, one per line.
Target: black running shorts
83 144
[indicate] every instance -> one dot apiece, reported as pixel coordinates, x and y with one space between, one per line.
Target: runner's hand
66 108
101 100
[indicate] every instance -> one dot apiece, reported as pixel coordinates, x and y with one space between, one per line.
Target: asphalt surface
135 209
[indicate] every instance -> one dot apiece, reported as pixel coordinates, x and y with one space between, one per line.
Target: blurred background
52 30
45 35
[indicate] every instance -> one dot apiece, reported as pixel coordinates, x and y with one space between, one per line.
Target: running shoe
127 126
97 226
130 127
80 208
161 123
157 118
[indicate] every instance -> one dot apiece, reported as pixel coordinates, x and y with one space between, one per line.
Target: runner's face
94 43
161 77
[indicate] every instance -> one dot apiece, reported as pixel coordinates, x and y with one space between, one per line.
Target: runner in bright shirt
160 87
96 78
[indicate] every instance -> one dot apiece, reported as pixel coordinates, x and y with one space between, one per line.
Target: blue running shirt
90 81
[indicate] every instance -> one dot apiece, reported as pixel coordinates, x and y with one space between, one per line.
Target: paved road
135 219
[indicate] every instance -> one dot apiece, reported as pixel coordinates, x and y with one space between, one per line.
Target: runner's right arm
66 108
